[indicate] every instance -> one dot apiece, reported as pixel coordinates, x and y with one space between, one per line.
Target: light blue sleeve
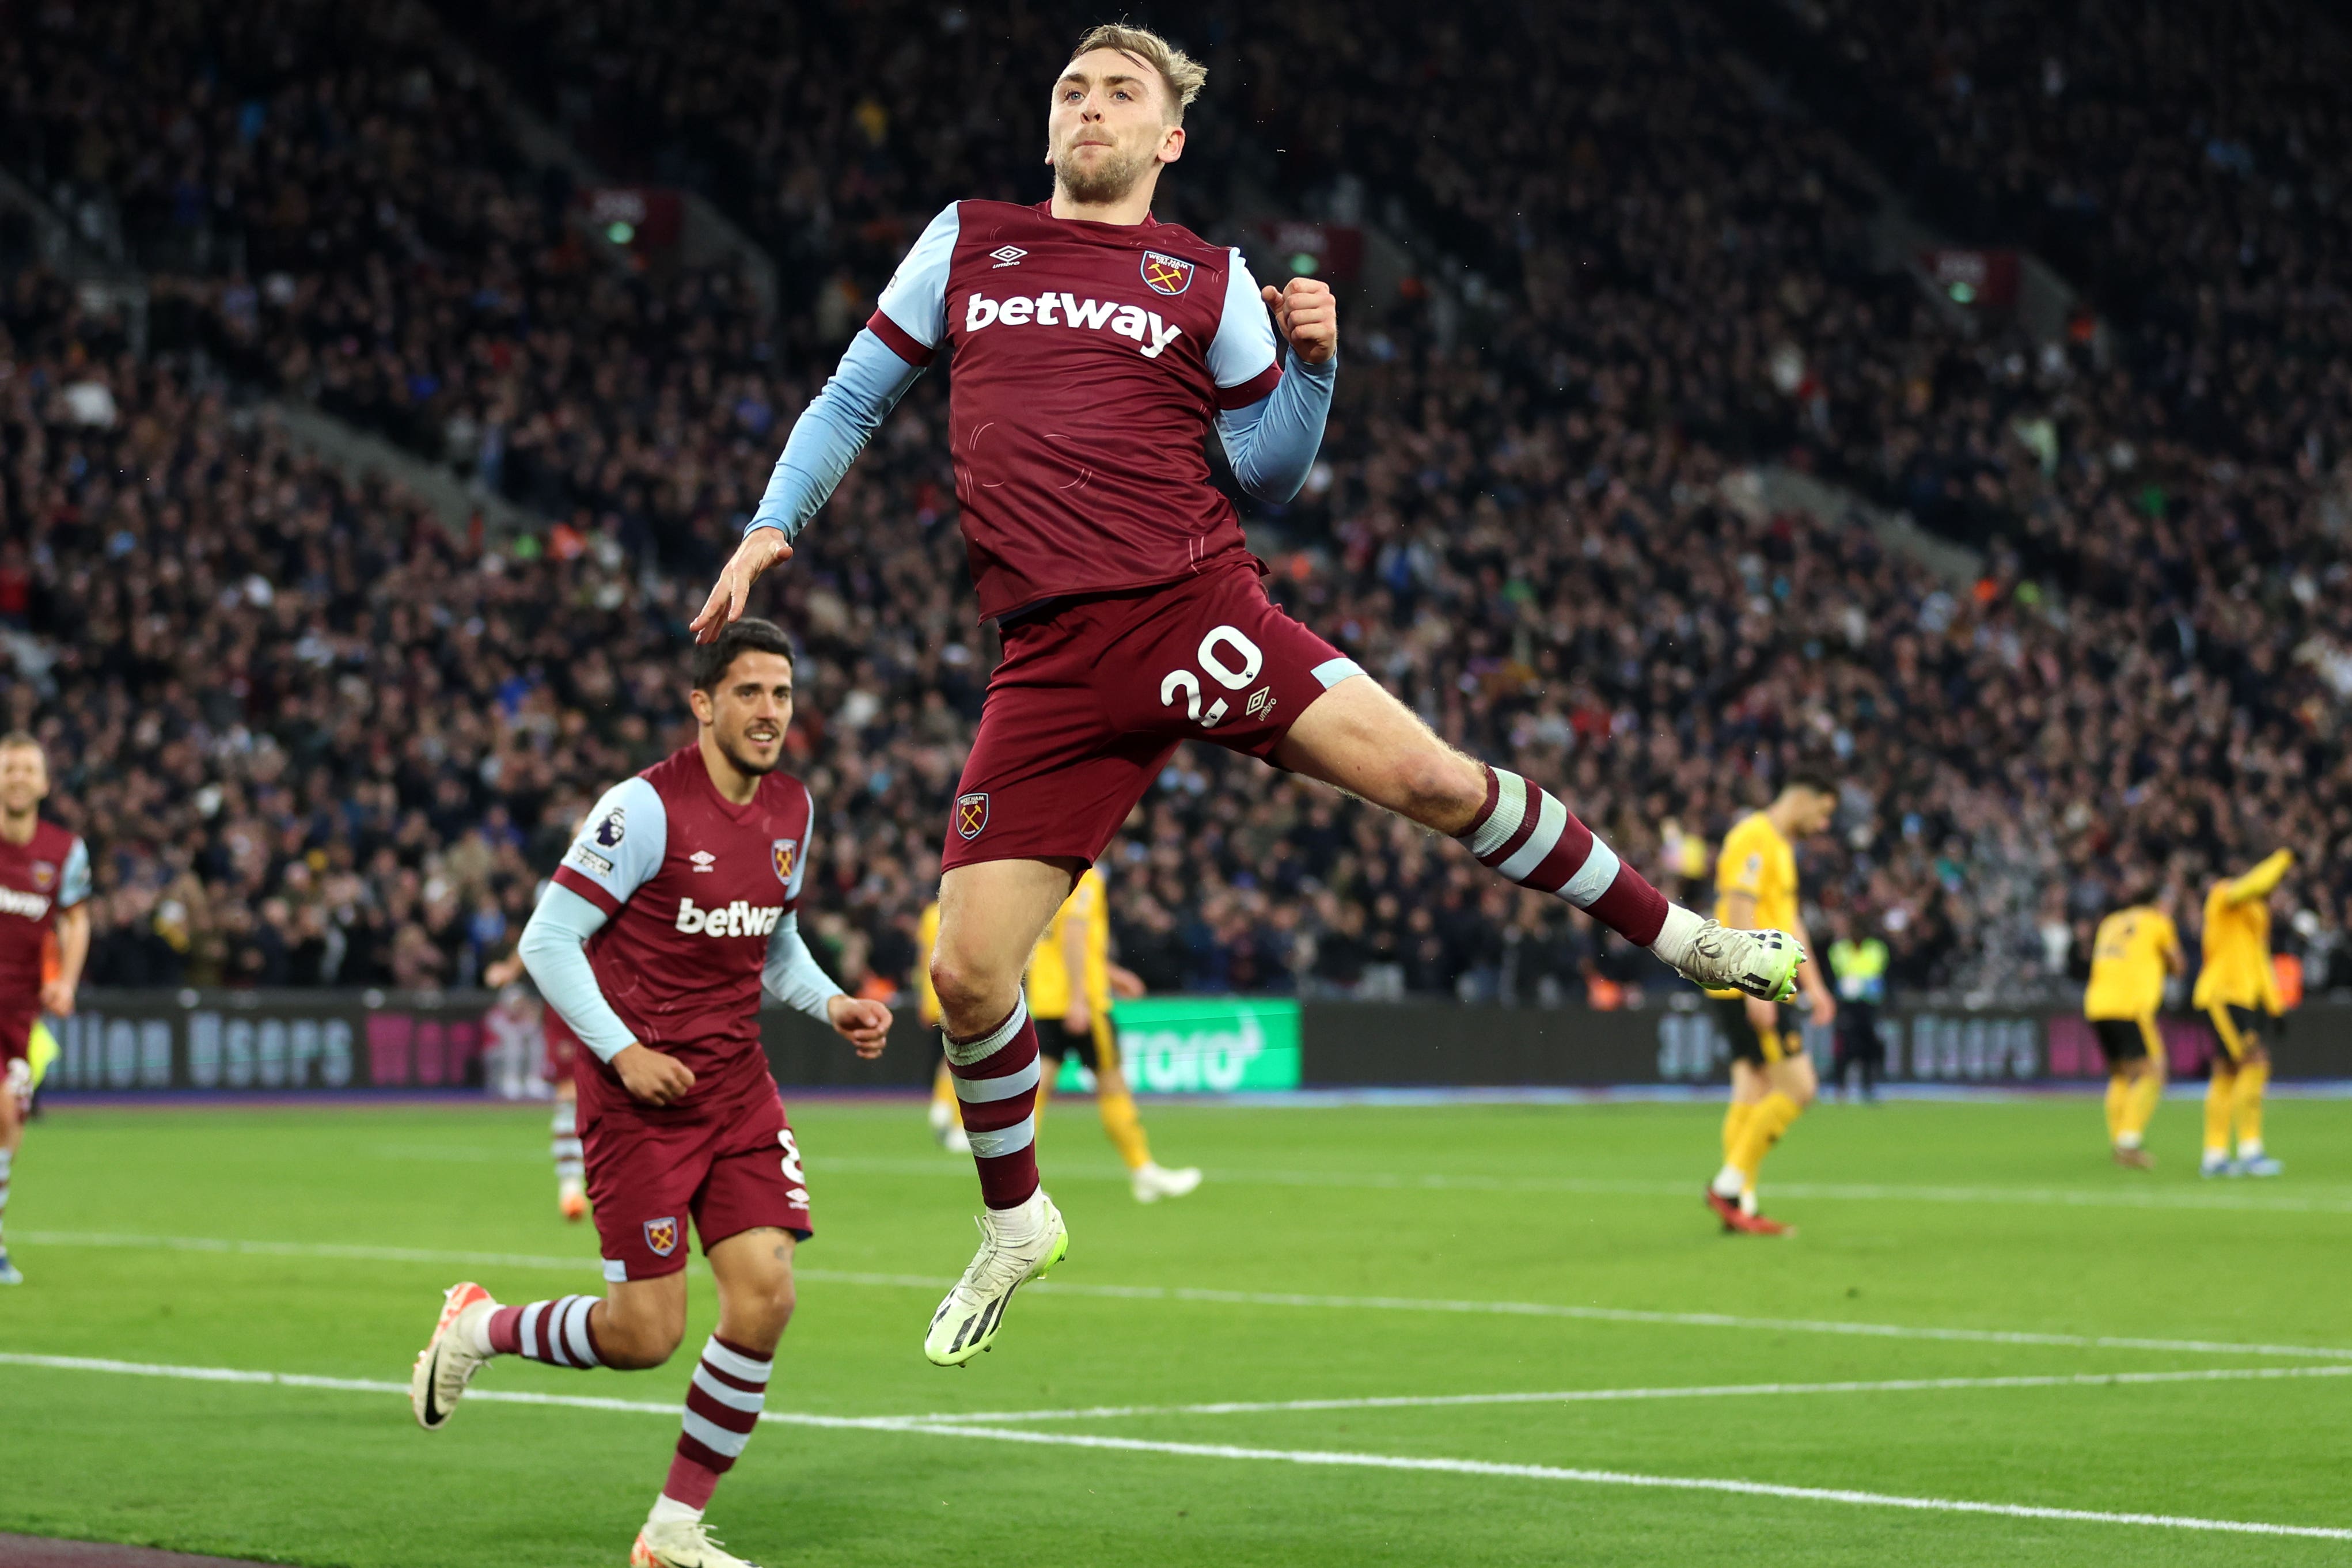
554 949
73 881
792 974
831 432
1245 347
620 845
874 375
916 297
1272 442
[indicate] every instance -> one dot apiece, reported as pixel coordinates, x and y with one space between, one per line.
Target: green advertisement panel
1201 1045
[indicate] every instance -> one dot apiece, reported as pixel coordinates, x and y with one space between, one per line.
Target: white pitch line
1199 1295
1613 1395
1627 1478
1311 1457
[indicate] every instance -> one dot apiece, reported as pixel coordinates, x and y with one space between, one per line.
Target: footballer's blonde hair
1180 73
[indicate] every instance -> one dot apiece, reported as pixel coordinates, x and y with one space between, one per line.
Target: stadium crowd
316 738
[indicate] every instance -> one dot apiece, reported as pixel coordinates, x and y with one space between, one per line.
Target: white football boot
1150 1183
1761 963
1017 1244
681 1544
449 1359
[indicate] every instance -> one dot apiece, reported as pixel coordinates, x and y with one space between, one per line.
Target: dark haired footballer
678 901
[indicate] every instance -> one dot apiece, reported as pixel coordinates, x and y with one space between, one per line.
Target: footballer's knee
639 1340
972 998
637 1348
755 1316
1437 787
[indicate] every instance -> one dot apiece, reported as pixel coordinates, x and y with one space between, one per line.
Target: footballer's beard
1107 182
749 767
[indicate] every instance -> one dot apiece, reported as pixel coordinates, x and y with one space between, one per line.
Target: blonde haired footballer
1077 943
2135 948
1131 610
2238 991
1772 1079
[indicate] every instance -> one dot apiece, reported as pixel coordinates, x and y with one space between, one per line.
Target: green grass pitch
1435 1257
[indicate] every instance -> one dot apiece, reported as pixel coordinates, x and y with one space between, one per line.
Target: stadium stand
316 738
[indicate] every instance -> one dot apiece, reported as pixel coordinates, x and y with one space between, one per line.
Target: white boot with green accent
1761 963
1017 1244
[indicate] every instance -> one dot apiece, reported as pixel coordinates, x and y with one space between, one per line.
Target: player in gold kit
2237 990
2135 948
1072 981
1772 1079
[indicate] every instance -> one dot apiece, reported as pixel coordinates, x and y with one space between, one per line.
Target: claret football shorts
651 1172
1095 694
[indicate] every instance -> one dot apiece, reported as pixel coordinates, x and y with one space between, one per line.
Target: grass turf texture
1577 1206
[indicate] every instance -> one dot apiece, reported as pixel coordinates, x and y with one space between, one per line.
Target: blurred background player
1076 944
2236 989
559 1048
1772 1079
2132 952
1859 966
947 1111
670 912
44 883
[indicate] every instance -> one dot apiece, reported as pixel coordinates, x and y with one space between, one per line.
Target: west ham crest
1166 274
661 1235
971 814
786 852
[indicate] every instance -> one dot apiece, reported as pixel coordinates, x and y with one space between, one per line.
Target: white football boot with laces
449 1359
1017 1244
681 1544
1761 963
1150 1183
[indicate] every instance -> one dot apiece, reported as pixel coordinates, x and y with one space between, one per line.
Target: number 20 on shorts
1221 642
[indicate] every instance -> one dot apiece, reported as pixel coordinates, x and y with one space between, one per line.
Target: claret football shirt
1088 363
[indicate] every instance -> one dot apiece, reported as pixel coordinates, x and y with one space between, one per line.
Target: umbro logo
703 860
1007 255
1261 703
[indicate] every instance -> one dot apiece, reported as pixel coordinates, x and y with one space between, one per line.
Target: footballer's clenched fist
1309 315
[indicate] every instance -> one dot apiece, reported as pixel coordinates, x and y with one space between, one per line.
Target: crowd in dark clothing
315 737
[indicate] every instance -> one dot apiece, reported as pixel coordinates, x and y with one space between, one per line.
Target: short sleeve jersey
1088 362
2127 964
1757 861
47 874
693 886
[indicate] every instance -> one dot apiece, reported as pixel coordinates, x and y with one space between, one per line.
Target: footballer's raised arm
619 847
1269 416
883 360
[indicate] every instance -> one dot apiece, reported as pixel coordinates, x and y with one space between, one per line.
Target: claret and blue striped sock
1525 836
557 1332
996 1079
722 1406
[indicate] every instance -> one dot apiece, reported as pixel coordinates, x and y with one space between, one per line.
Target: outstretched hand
1308 316
761 548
